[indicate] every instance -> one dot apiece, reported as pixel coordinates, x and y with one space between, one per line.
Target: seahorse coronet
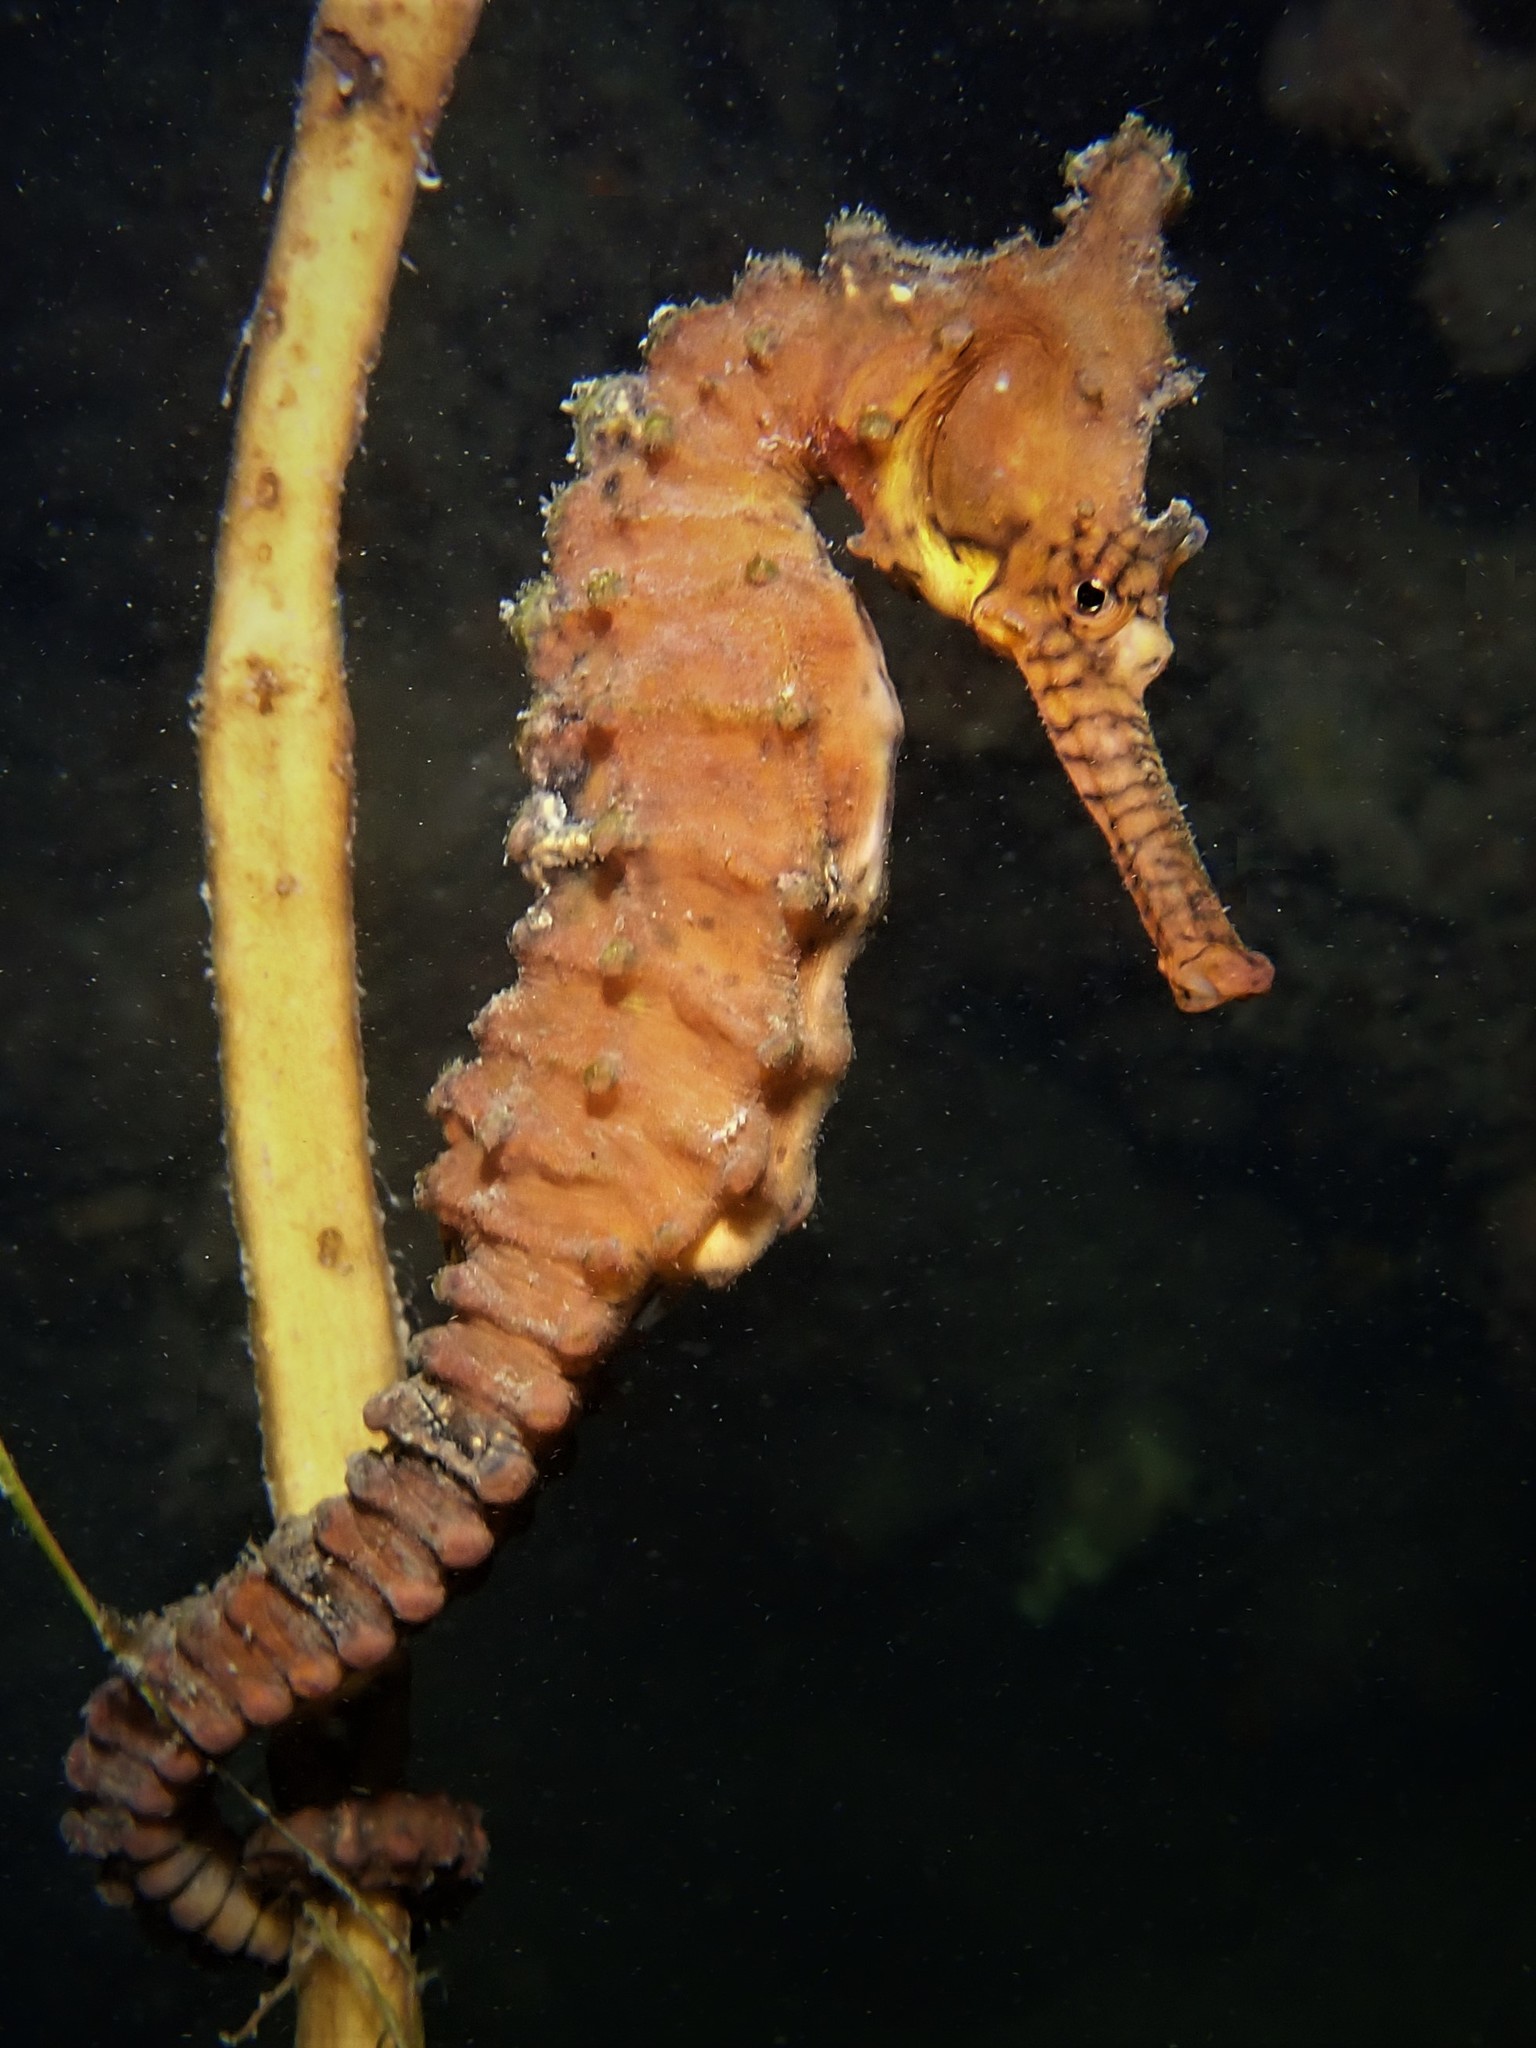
710 742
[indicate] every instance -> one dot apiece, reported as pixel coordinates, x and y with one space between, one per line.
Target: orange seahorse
710 746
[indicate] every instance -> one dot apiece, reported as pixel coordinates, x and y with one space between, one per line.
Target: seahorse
710 745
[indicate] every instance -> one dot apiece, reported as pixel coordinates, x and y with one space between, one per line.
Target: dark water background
1074 1592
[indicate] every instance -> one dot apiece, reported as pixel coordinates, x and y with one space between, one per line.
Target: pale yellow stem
276 751
353 1992
276 737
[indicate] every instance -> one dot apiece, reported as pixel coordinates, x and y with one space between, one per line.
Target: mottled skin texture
710 744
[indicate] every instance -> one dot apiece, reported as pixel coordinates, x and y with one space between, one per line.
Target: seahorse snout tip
1215 975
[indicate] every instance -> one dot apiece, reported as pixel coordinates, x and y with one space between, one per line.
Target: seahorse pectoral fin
1098 724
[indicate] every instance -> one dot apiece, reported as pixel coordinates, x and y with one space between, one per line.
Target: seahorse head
1003 476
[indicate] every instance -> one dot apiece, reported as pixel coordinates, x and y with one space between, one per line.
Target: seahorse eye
1090 598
